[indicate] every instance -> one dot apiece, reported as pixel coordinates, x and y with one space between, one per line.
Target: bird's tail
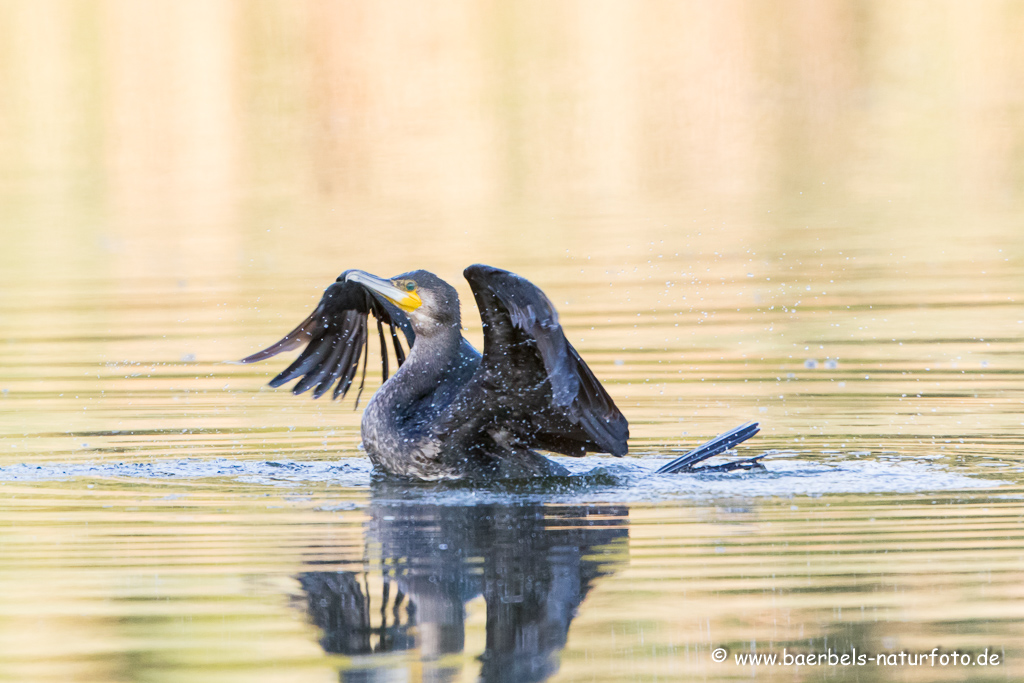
719 444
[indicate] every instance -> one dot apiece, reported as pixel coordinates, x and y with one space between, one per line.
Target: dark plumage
448 411
451 412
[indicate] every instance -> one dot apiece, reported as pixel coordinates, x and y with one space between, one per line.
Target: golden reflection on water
810 214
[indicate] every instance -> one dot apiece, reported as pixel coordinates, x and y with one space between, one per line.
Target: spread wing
532 386
335 335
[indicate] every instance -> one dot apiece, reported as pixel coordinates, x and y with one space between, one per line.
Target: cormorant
449 411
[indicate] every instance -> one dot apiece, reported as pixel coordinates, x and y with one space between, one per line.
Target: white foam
594 478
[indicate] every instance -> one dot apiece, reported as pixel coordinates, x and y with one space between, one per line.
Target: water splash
592 479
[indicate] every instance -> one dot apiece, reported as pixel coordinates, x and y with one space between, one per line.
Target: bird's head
429 301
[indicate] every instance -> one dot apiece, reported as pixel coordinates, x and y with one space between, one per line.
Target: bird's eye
409 286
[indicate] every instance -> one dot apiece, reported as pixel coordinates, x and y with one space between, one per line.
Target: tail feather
719 444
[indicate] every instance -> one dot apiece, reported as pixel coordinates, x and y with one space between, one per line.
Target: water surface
808 215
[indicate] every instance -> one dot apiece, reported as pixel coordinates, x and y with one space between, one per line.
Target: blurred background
277 130
806 213
179 181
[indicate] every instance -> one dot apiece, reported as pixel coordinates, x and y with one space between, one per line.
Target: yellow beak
407 301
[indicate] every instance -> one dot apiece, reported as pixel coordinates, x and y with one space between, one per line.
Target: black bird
450 412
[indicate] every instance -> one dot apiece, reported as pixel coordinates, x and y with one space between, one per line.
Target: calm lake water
805 214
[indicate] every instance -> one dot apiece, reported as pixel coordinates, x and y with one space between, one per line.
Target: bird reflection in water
532 563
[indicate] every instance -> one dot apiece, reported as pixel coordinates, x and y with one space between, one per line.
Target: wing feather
335 336
530 371
308 359
329 373
383 350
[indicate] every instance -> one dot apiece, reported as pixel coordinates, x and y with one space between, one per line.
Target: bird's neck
396 420
429 363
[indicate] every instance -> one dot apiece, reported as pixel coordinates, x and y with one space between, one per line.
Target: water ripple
592 478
